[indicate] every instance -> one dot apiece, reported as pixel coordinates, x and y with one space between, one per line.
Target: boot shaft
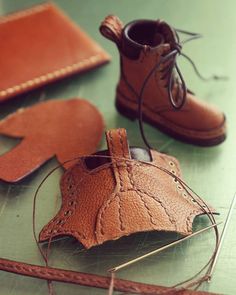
142 44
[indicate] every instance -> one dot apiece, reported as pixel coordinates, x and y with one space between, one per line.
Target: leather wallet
41 45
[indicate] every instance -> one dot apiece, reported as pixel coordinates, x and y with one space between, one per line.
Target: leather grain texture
124 197
196 122
41 45
65 129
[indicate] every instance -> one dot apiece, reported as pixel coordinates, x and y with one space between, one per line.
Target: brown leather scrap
40 45
123 198
65 129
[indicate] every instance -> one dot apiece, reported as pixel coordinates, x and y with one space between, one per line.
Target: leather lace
169 74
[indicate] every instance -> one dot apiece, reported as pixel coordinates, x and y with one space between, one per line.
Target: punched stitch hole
179 187
71 203
173 172
68 212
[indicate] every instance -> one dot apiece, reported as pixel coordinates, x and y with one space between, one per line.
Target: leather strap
118 147
117 143
85 279
111 28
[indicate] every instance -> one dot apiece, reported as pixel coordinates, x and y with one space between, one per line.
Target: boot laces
169 73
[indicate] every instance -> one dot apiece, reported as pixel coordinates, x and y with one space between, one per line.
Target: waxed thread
185 186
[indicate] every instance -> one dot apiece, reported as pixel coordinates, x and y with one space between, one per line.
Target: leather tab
117 143
119 150
111 28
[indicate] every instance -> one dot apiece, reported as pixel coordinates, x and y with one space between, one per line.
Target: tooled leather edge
85 279
86 64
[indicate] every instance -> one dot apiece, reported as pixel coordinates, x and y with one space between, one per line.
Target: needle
222 237
114 269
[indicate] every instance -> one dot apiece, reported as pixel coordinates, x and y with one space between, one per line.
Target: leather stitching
155 198
120 178
26 12
100 220
171 219
76 277
152 219
50 76
60 229
113 153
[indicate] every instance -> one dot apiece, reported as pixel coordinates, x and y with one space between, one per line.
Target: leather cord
85 279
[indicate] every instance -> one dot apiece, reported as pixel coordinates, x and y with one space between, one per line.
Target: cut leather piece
144 45
89 280
122 197
65 129
40 45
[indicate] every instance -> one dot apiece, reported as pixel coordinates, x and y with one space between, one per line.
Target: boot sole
132 115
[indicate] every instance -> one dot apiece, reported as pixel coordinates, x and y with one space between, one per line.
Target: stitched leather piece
65 129
42 55
126 197
85 279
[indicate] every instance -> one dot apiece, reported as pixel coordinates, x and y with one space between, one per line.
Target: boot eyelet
173 172
171 164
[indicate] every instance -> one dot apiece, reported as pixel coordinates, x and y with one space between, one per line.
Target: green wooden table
209 171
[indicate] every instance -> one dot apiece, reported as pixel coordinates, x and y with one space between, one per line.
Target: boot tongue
167 32
140 33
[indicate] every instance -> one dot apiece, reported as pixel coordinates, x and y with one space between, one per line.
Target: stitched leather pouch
41 45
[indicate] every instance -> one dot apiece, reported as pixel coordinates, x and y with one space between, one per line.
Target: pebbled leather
33 55
196 122
65 129
125 197
90 280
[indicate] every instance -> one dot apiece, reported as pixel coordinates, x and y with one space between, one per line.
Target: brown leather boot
149 88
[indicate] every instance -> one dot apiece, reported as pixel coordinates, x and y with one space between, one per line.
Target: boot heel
124 111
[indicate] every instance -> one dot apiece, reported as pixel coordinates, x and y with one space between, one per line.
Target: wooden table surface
209 171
